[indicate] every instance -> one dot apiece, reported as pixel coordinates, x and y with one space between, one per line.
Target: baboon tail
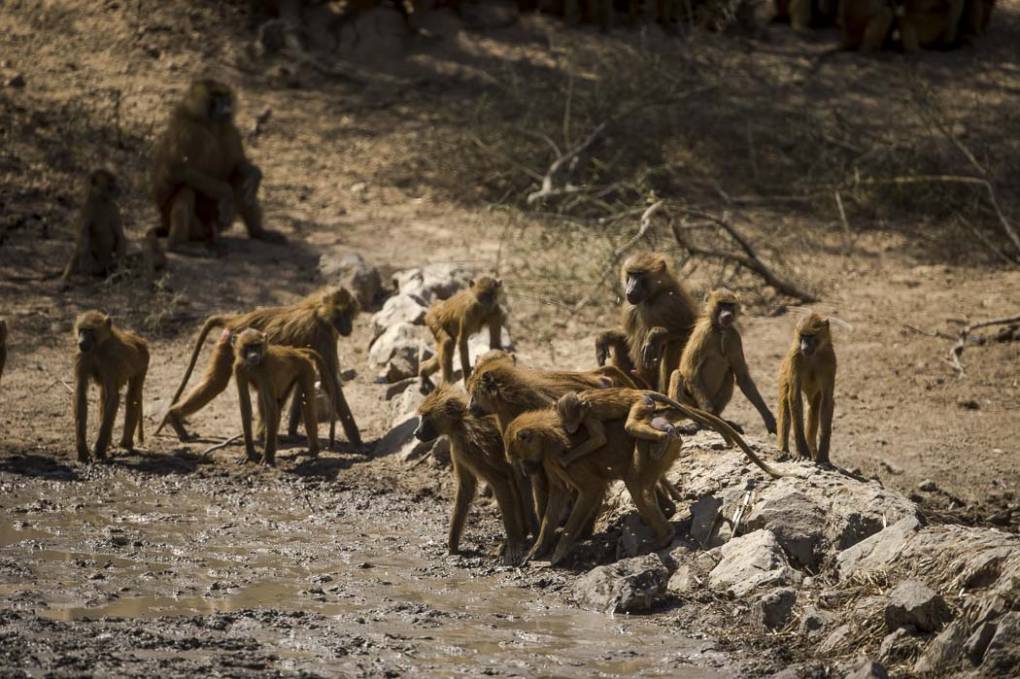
718 424
210 323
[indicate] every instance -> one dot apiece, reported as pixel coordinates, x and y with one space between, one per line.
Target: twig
842 218
218 446
937 334
548 187
957 350
749 260
991 246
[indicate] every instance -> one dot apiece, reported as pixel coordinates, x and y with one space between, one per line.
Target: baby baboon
111 358
713 361
476 450
99 245
200 175
3 346
809 367
454 320
594 407
658 317
313 322
274 372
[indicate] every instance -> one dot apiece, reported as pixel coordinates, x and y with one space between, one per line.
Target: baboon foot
512 554
176 423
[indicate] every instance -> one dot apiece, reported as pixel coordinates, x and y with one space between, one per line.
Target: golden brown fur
594 407
99 245
809 369
476 450
201 177
658 317
455 320
111 358
929 23
274 372
313 322
713 361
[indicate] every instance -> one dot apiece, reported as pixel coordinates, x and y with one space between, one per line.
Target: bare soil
172 560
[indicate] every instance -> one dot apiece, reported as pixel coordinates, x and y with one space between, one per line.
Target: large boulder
350 270
398 351
398 309
877 550
750 562
627 586
433 282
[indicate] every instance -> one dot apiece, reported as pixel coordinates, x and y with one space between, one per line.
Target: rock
978 642
17 81
636 537
869 669
398 388
398 351
912 603
774 610
353 272
396 438
478 344
414 449
398 309
1003 653
684 581
750 562
692 569
627 586
944 651
899 645
704 517
797 522
814 622
928 486
433 282
405 406
877 550
834 640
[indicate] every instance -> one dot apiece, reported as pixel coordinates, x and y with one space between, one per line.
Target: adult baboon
99 245
809 369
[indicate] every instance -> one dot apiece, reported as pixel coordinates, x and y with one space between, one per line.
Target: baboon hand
650 355
601 352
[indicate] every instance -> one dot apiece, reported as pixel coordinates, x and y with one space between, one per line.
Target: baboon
453 321
111 358
929 23
713 361
99 244
200 176
809 367
975 17
658 317
313 322
3 346
804 15
864 24
274 372
537 441
476 451
594 407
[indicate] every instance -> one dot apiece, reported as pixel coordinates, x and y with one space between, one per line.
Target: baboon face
426 430
103 184
486 290
212 100
91 329
250 347
572 411
723 306
484 391
439 413
813 334
639 274
525 449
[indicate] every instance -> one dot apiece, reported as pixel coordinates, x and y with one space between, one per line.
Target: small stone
814 622
927 486
627 586
774 609
899 645
835 639
978 642
912 603
968 404
16 81
869 669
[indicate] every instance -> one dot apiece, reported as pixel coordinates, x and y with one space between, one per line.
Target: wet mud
325 567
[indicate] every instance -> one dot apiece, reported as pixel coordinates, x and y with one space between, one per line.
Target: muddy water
356 567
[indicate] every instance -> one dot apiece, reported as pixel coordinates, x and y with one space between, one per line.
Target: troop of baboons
543 440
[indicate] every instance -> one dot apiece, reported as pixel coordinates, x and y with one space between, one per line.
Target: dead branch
749 260
549 189
233 439
957 349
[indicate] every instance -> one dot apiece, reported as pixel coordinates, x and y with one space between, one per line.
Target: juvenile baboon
313 322
476 451
111 358
864 24
99 244
453 321
200 176
593 408
537 441
809 367
3 346
273 372
929 23
658 317
713 361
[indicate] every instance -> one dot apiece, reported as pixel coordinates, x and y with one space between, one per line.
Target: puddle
136 554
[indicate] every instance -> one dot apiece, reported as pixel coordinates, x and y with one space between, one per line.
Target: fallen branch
749 260
233 439
549 189
957 350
